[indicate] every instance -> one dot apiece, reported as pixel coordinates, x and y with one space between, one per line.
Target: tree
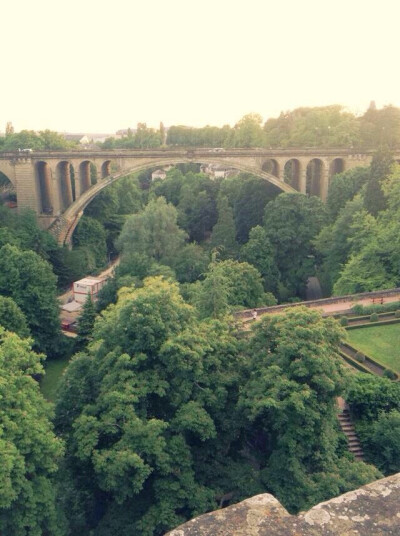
24 139
253 196
380 128
381 442
190 263
9 129
103 206
91 234
343 187
294 378
12 318
29 450
374 199
362 273
145 432
292 221
170 187
223 234
322 126
197 206
259 252
86 322
129 196
247 132
153 232
244 283
52 141
146 137
369 395
30 282
353 229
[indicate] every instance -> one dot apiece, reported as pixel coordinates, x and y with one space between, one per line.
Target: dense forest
167 408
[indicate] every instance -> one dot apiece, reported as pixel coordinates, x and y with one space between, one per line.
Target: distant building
124 132
86 139
158 174
218 171
89 286
79 138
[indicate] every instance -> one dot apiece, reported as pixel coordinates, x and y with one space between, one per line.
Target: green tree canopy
259 252
253 196
30 282
343 187
324 126
223 234
12 318
295 376
153 232
292 221
91 234
29 450
145 432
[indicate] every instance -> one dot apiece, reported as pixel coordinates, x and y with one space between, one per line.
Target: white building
218 171
87 286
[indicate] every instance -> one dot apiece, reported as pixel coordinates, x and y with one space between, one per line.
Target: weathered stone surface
373 510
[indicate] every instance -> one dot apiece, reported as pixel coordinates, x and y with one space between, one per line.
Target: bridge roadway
57 185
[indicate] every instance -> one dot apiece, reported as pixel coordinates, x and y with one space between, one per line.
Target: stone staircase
348 429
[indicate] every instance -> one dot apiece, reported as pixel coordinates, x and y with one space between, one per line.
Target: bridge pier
26 184
324 182
303 180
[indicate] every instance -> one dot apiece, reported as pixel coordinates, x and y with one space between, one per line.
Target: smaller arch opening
84 176
43 176
291 173
106 169
93 174
271 166
337 166
314 177
66 184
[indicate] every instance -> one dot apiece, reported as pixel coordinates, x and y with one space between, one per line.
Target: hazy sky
98 66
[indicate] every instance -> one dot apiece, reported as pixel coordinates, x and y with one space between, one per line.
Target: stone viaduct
59 185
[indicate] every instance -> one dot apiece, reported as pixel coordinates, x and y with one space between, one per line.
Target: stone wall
373 510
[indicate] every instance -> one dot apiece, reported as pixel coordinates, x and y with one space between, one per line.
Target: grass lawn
379 342
54 370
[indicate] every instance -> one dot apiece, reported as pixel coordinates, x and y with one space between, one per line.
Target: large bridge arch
65 225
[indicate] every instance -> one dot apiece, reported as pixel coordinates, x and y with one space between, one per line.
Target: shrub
374 317
344 321
360 357
388 373
357 309
397 313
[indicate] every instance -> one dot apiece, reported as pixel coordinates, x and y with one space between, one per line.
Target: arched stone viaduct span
58 186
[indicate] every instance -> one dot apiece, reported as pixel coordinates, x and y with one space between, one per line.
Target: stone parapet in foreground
373 510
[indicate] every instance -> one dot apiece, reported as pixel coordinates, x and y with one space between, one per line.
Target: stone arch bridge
58 185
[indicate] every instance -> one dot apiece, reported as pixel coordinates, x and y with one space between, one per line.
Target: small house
89 286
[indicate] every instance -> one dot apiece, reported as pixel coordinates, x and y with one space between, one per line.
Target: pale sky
99 66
